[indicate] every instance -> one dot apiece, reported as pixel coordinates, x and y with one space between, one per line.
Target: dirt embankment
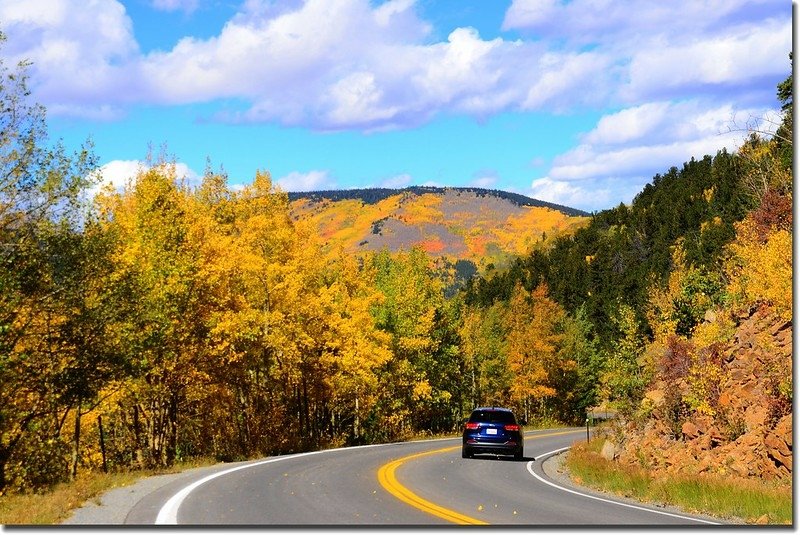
748 435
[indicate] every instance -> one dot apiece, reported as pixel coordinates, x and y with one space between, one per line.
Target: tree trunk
137 446
5 454
76 444
172 429
102 442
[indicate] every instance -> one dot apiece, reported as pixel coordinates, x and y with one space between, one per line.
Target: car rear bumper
479 446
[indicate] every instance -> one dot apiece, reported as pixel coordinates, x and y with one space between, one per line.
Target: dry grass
57 504
752 501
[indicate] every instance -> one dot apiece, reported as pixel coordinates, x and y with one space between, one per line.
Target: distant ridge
374 195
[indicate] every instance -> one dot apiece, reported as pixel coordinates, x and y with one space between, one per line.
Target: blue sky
577 102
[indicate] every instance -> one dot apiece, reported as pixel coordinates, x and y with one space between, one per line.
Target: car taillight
471 425
511 427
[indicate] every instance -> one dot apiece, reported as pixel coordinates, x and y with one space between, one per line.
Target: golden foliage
760 268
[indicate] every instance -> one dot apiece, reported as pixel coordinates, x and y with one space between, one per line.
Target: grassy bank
57 504
752 501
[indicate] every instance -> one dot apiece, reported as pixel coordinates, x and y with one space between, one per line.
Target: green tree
622 379
420 381
40 218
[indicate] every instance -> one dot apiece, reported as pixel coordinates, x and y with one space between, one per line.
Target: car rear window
492 417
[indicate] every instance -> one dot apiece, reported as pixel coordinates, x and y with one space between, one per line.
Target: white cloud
671 70
485 178
628 124
570 194
648 139
589 195
117 174
529 13
349 64
735 58
81 51
627 148
324 64
622 23
397 181
358 100
313 180
668 49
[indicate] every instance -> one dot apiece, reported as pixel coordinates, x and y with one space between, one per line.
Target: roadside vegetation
57 503
736 500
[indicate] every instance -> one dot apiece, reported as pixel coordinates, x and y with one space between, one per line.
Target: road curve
422 483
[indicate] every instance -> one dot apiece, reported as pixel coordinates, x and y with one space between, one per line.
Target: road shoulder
113 506
555 468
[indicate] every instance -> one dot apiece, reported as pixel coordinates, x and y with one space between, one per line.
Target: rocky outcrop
748 434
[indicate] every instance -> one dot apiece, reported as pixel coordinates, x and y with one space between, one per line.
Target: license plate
491 431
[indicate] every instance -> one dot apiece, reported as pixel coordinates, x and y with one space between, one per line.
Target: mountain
479 225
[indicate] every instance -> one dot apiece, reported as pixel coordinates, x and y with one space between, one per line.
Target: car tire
465 453
518 455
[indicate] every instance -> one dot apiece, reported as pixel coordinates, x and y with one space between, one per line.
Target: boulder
778 446
690 431
609 451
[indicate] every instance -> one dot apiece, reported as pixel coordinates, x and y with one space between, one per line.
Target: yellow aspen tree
533 340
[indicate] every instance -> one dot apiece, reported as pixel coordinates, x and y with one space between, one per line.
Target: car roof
492 409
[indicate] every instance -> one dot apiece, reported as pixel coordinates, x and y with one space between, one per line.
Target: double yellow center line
388 480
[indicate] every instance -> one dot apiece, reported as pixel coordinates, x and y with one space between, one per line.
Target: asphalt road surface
424 483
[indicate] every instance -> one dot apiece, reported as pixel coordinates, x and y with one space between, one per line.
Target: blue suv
492 430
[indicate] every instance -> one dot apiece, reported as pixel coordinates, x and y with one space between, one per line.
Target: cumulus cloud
586 197
349 64
485 178
669 49
627 148
82 54
324 64
622 23
669 70
310 181
648 139
117 174
741 56
397 181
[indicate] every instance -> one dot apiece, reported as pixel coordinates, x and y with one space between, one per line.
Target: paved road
423 483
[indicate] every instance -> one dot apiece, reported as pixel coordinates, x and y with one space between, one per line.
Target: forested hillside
465 229
623 251
684 300
163 321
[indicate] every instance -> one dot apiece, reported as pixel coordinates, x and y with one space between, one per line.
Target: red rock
689 431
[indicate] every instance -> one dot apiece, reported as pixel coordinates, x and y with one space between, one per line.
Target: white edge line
548 454
168 514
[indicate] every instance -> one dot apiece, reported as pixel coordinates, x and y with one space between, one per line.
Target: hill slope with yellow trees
477 225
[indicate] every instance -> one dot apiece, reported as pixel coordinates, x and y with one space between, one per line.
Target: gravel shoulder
113 506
